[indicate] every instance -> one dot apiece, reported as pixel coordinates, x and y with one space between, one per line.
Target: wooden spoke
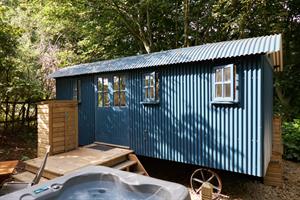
215 187
202 175
210 178
199 189
198 180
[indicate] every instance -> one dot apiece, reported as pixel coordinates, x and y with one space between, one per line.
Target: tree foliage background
39 36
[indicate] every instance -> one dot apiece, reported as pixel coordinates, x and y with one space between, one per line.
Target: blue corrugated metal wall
86 107
267 113
186 127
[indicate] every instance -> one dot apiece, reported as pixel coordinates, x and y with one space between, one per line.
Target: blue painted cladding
64 88
186 127
267 111
86 107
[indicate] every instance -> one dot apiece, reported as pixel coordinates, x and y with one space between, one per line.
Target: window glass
100 100
218 90
119 92
227 90
105 85
218 75
227 73
122 99
122 83
103 92
116 98
100 84
116 83
77 90
152 80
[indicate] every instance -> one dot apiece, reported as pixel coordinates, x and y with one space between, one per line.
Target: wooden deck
61 164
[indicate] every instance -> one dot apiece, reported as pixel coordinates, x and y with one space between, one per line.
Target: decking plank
63 163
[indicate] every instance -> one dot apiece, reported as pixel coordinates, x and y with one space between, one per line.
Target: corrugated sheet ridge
226 49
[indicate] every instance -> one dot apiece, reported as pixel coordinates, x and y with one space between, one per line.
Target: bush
291 139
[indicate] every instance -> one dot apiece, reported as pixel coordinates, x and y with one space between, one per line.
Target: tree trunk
13 114
6 116
186 22
27 114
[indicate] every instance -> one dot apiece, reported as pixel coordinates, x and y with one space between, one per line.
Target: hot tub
103 183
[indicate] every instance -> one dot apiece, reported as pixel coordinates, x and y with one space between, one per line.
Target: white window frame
232 82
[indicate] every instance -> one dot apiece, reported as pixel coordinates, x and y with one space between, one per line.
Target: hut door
111 116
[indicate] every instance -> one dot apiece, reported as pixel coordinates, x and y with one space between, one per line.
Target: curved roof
259 45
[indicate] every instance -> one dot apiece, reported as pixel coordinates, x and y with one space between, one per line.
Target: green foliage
37 37
291 139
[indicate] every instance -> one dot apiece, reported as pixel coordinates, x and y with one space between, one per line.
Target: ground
17 148
236 186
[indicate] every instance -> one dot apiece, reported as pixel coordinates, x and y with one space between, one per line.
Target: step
125 165
139 166
115 161
48 174
26 177
140 172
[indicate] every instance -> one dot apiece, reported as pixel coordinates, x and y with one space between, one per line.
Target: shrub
291 139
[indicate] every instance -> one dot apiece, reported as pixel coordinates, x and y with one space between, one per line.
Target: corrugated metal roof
265 44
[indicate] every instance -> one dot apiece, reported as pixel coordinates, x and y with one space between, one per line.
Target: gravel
235 186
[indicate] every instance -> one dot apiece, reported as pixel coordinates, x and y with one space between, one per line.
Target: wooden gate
57 126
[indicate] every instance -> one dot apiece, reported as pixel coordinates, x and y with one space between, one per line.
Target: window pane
146 80
106 100
75 90
100 84
100 101
218 75
157 88
218 90
227 92
227 74
122 83
146 93
105 84
116 98
151 81
123 99
151 92
116 83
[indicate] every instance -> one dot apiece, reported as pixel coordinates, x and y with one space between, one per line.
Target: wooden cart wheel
201 176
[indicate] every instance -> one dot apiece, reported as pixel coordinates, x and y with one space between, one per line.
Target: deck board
64 163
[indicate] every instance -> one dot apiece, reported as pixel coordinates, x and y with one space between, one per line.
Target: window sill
149 102
224 102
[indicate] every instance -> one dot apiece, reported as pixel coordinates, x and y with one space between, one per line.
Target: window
224 83
103 92
77 90
119 91
151 87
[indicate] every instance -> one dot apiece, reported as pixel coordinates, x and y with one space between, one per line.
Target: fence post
206 191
